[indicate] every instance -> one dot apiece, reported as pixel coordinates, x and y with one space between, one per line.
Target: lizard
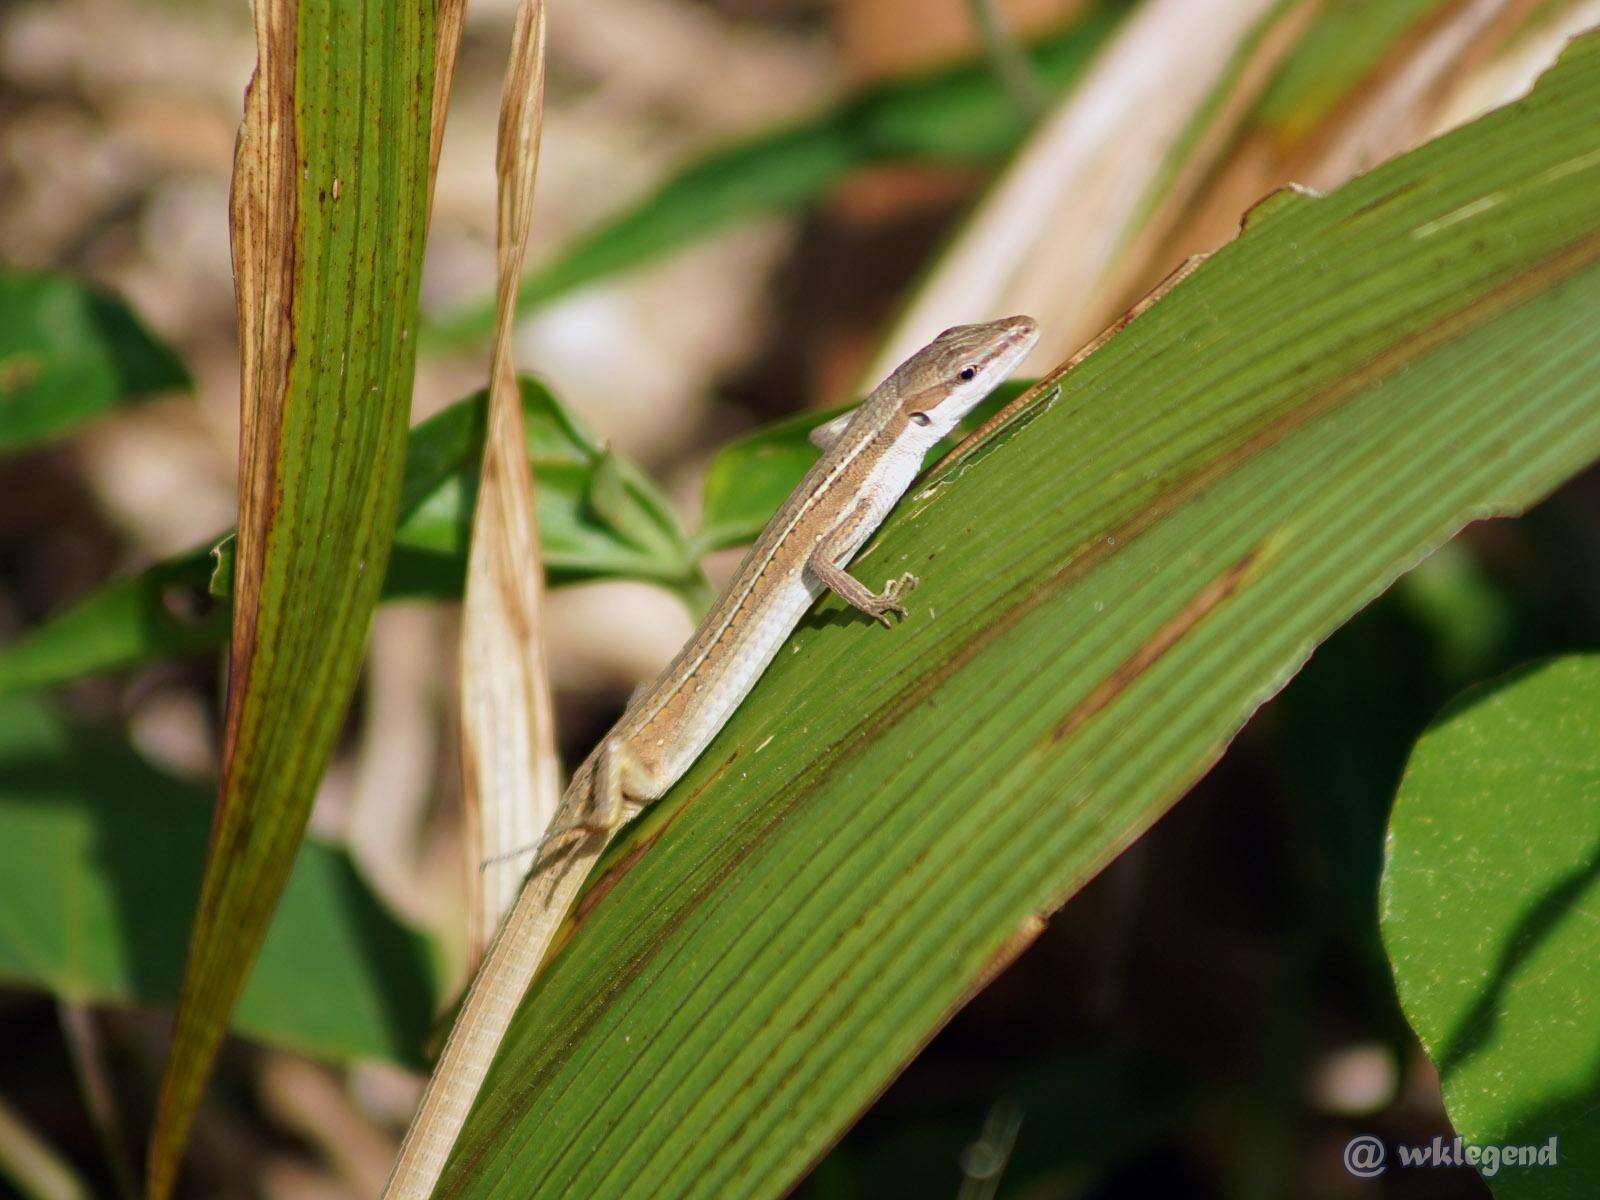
870 456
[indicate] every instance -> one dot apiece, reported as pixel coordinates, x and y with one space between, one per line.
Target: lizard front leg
823 563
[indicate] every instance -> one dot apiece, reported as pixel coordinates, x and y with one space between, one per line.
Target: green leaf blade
1108 593
332 188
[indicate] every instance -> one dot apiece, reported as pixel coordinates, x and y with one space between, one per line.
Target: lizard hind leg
602 807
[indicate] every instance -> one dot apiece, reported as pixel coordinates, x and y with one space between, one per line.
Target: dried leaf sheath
510 772
263 204
1176 78
330 206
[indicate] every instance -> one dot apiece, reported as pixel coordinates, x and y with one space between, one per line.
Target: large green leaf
599 518
1491 917
958 115
332 184
100 859
69 352
1113 581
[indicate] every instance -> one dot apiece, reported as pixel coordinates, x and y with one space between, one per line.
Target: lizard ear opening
920 418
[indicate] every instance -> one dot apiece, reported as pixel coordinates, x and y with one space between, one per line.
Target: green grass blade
959 115
330 210
69 353
100 858
163 612
1491 918
1113 581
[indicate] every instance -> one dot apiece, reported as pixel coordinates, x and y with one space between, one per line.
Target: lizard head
942 383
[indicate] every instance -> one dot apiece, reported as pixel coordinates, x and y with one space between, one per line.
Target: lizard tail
508 967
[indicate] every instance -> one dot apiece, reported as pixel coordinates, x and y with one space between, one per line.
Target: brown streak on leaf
1165 638
263 214
447 34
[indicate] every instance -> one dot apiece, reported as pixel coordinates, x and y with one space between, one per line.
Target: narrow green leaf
958 115
163 611
1109 590
332 181
752 475
1491 918
68 353
100 859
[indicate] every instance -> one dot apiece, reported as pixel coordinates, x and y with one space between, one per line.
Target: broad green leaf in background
332 184
1112 582
100 857
959 115
627 533
1491 917
68 353
599 516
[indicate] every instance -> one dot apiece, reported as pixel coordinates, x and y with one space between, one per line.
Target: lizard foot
889 601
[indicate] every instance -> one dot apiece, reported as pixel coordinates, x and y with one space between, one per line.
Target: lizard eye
968 372
919 418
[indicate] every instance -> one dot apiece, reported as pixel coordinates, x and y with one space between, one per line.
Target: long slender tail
497 989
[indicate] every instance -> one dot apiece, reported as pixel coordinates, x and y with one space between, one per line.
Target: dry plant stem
37 1171
1178 75
87 1051
510 771
1011 65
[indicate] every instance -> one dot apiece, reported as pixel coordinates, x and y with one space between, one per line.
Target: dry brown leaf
1474 56
1068 225
510 771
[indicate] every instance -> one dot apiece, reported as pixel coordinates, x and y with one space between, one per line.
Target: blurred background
1212 1017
